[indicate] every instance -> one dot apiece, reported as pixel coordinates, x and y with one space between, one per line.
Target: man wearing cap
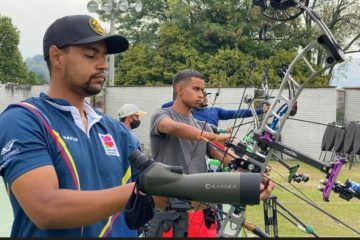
65 165
129 115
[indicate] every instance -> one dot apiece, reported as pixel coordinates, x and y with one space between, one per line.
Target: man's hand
228 130
266 187
160 202
265 107
221 138
211 137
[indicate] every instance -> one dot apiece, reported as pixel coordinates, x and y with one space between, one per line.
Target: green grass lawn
349 212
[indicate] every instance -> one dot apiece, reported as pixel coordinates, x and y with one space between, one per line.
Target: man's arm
168 126
215 153
49 207
232 114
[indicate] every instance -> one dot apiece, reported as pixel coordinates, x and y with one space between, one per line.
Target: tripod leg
270 215
180 229
161 222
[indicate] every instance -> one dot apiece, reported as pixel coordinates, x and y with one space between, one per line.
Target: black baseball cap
80 29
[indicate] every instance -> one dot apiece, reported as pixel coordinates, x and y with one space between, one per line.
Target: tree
140 65
216 37
342 16
37 65
343 19
12 67
142 27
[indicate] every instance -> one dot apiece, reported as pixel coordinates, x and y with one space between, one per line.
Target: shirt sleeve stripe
56 139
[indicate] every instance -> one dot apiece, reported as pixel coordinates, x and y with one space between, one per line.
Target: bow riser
258 157
233 222
272 134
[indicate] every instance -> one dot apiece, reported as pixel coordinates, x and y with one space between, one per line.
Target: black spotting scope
168 181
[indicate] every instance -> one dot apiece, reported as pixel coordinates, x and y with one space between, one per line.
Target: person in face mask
129 115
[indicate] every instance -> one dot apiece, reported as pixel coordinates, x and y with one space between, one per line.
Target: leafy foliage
343 19
12 67
218 38
37 65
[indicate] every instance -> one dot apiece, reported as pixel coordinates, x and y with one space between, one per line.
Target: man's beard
86 89
90 90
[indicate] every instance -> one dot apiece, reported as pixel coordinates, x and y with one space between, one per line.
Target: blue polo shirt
84 159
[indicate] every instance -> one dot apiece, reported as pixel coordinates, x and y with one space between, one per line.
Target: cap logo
95 25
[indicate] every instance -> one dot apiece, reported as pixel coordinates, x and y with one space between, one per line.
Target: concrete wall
148 99
317 105
314 104
352 102
10 93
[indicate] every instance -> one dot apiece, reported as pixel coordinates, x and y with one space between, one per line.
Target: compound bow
255 156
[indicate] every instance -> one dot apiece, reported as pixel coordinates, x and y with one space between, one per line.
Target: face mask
135 124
